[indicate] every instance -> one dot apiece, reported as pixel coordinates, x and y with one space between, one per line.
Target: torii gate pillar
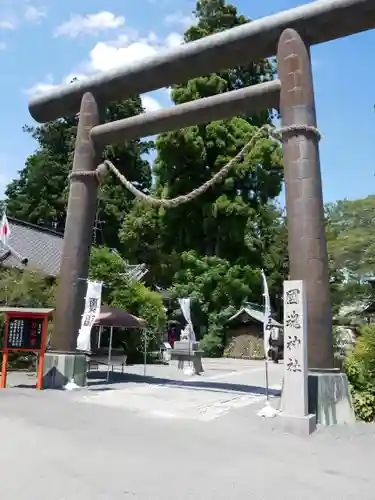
328 392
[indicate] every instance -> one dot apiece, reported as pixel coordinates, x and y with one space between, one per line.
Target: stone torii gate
289 34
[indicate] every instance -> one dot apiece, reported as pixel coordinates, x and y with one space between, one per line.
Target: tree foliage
235 224
360 368
351 248
226 221
212 247
351 240
217 289
40 194
122 292
25 289
214 16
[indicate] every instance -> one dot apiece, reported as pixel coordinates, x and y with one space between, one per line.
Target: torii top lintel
316 22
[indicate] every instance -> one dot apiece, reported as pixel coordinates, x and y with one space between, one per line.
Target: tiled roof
37 248
253 311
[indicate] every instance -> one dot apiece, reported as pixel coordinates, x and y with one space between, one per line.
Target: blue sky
45 42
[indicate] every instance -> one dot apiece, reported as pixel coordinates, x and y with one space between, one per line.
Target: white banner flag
90 313
267 320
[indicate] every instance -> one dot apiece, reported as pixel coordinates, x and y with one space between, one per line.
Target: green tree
351 248
212 248
350 236
121 291
142 236
232 219
40 193
360 368
217 290
25 289
214 16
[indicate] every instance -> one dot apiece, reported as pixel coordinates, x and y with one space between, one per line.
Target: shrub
360 369
364 405
212 345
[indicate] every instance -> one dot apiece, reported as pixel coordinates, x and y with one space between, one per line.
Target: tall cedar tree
237 219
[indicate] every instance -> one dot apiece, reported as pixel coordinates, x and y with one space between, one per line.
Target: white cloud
174 40
121 52
150 103
73 76
89 24
49 84
34 14
104 57
6 25
41 87
128 48
179 19
14 13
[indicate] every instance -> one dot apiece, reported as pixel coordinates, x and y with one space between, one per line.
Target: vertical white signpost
294 401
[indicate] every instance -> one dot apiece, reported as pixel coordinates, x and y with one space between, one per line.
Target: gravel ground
171 438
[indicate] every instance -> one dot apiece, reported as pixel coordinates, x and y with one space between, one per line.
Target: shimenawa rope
267 130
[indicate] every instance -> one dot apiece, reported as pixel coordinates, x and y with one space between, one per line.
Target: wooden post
4 365
39 382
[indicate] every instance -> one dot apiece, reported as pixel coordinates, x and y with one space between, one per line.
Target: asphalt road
168 437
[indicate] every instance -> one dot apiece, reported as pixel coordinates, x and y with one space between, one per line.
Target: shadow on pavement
98 378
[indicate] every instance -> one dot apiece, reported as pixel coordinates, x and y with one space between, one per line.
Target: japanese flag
4 230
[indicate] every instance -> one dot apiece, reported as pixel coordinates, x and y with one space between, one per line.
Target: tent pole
100 336
144 352
109 352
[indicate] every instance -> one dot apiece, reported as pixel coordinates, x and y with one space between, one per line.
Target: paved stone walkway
81 446
205 397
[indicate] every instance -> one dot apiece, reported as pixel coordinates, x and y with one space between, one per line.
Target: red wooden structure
25 331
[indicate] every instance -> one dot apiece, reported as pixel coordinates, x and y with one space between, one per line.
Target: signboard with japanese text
295 396
24 331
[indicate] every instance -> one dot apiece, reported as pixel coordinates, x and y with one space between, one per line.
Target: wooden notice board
24 332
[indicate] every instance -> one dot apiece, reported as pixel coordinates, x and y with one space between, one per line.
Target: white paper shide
91 312
188 331
294 399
